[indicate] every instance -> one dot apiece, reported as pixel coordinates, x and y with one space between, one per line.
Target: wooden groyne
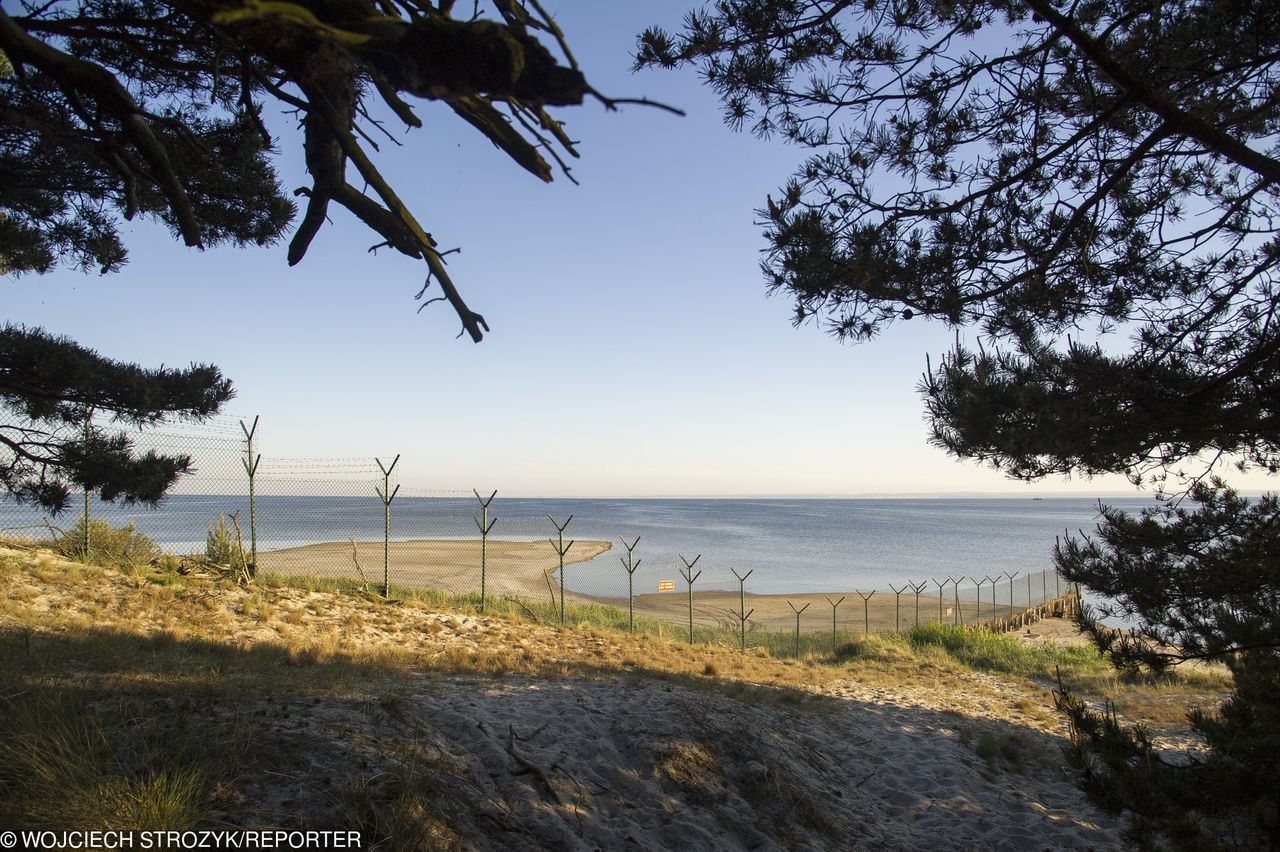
1065 606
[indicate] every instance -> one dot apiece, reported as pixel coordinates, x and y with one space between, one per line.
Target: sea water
821 545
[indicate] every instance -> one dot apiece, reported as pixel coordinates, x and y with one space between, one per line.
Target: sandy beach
527 569
514 568
878 614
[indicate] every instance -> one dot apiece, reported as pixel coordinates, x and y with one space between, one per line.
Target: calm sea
790 545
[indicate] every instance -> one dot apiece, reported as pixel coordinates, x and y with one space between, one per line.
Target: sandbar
513 568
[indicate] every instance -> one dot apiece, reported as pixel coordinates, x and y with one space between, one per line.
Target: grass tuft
65 765
1004 653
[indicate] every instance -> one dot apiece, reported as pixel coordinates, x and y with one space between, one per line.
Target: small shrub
168 564
987 748
121 546
220 545
997 749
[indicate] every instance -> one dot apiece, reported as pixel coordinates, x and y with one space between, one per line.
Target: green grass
977 649
1004 653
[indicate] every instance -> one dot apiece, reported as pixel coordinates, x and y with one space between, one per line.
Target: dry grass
694 767
306 623
126 642
69 763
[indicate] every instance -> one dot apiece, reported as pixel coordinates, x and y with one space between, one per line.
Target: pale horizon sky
633 351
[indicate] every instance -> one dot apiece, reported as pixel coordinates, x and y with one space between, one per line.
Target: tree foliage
54 388
1029 171
125 108
1043 173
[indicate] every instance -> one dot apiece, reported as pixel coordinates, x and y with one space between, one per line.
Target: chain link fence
351 520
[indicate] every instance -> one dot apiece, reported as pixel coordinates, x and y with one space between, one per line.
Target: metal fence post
689 576
743 615
561 550
940 588
897 606
866 610
88 433
918 588
977 619
631 564
250 463
797 612
485 525
833 620
387 496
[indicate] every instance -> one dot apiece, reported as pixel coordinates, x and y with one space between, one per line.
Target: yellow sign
666 585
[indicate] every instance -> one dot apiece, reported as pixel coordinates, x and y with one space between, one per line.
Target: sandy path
516 568
629 763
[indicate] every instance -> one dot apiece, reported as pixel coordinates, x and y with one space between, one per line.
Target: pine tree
116 109
49 385
1037 173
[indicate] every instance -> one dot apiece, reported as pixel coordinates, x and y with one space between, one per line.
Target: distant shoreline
518 568
527 569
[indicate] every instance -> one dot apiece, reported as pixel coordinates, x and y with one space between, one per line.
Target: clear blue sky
633 349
